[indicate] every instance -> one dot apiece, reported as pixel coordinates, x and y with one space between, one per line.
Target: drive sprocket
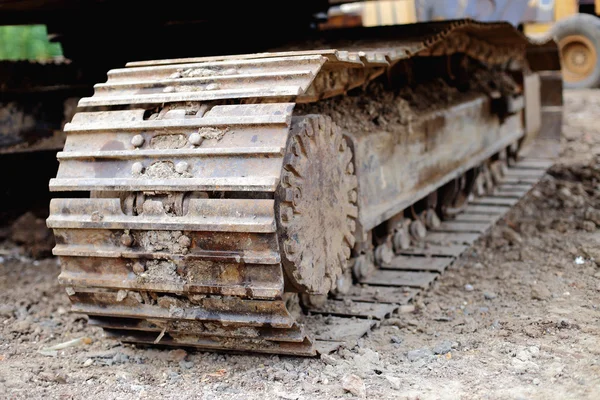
316 204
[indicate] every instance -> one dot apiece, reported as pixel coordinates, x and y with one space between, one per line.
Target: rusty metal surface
465 135
453 226
180 242
431 250
304 75
318 192
421 280
355 309
407 263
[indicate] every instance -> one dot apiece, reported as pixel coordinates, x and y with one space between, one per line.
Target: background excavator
574 24
244 175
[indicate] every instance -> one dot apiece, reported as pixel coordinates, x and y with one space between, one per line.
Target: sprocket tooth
350 238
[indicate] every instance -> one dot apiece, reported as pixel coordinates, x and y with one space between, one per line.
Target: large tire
578 38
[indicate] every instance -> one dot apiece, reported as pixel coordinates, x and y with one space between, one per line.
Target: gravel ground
517 318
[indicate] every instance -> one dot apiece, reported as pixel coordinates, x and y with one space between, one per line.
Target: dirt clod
355 385
31 232
540 292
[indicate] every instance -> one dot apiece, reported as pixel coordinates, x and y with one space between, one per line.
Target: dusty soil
517 318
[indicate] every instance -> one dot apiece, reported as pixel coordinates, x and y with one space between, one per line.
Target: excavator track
202 177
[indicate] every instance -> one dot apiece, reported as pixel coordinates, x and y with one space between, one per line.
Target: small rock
173 376
52 377
329 360
418 354
21 326
406 308
88 362
394 381
121 295
32 233
490 295
593 215
533 350
6 310
536 381
186 364
523 355
368 359
120 358
355 385
398 340
177 355
588 226
469 287
288 366
443 348
521 367
512 236
564 193
540 292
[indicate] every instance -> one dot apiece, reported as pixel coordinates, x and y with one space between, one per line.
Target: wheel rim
578 56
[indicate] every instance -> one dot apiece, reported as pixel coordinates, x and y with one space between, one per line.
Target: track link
178 243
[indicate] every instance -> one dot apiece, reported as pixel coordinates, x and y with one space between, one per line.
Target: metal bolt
126 239
96 216
181 167
137 140
138 268
290 247
195 139
288 195
287 214
137 168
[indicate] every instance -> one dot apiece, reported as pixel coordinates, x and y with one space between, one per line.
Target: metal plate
459 226
496 200
427 249
380 294
401 278
408 263
355 309
443 238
